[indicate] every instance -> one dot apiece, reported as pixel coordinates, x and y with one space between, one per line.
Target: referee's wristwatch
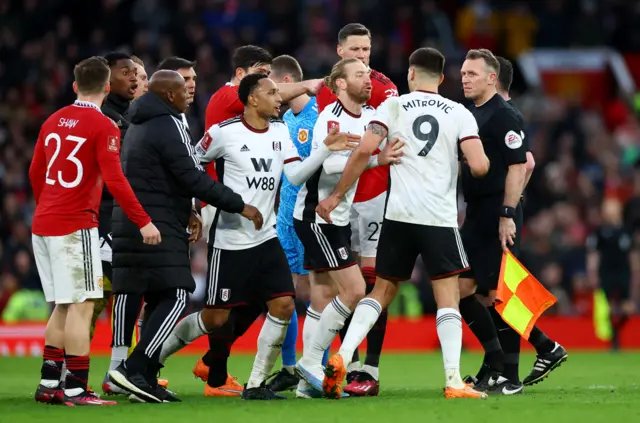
508 212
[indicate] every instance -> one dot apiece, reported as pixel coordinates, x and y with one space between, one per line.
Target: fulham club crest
343 253
113 144
224 294
277 146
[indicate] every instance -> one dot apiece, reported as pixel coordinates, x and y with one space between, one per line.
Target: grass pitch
589 387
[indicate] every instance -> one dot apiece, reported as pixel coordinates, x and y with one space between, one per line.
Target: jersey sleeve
509 135
468 125
290 151
386 113
108 157
211 146
37 169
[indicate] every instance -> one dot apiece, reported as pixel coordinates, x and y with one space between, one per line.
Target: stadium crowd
582 156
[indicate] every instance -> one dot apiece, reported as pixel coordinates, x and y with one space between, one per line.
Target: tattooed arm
359 160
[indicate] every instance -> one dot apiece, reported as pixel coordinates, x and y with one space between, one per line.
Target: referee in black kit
493 221
164 172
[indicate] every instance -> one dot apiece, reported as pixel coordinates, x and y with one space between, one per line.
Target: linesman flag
520 299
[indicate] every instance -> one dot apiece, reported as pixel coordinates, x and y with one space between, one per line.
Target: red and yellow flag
520 299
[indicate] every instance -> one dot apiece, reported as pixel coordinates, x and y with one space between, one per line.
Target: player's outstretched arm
187 170
289 91
475 156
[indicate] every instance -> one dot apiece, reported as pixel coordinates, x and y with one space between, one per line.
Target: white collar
80 103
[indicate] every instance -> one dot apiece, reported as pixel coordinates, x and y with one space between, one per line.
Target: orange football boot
466 392
334 375
201 371
163 382
231 388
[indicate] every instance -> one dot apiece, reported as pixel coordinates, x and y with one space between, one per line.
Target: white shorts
208 213
69 266
366 222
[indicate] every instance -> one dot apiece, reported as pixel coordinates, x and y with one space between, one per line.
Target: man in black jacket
160 164
123 85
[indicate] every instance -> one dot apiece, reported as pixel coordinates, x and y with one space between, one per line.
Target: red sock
369 274
52 359
77 371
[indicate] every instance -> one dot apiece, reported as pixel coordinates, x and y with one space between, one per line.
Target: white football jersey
423 185
250 162
321 184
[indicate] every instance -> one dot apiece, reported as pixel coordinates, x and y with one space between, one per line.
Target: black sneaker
283 381
260 393
134 383
502 386
545 364
161 392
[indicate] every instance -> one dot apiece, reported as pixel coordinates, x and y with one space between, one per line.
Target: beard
358 96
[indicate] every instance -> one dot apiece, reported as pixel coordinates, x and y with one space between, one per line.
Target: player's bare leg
351 288
49 390
322 291
270 341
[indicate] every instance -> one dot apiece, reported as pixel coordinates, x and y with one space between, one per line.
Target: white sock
49 383
269 347
355 366
449 328
309 329
188 330
331 321
290 369
118 355
63 371
374 372
365 316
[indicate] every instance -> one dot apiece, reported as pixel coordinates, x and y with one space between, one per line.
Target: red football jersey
224 104
372 182
78 148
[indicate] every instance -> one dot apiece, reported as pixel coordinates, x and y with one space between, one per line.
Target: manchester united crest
303 135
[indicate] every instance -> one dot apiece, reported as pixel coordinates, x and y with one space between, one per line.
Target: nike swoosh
233 391
509 392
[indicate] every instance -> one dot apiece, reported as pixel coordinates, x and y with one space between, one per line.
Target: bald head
170 86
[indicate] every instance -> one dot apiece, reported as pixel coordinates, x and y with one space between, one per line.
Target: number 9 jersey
423 185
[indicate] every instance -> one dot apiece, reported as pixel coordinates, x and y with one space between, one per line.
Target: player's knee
467 287
384 292
351 296
281 307
83 311
214 318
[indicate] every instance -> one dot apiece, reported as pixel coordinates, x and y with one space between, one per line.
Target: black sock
540 341
220 342
481 324
510 342
77 372
375 337
126 309
52 359
165 308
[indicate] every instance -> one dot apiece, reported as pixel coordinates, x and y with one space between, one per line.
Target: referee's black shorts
482 241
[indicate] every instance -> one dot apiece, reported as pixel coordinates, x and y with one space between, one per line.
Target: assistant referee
493 220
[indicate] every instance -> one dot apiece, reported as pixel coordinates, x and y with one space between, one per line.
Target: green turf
588 388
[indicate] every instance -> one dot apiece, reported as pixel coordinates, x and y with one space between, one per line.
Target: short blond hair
489 58
338 71
137 60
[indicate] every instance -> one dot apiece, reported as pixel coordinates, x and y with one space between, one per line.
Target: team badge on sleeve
513 140
303 135
333 124
113 143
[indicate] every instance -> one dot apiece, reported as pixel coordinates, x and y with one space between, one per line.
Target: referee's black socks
479 320
540 341
510 342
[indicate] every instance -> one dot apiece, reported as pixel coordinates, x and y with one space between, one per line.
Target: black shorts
482 242
401 243
616 285
326 247
251 276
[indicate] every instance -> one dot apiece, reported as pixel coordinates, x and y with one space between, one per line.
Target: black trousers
126 309
162 312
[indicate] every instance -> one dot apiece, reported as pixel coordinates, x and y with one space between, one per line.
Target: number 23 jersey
250 162
423 185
